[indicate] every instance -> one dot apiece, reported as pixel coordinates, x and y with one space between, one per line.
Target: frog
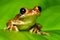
26 20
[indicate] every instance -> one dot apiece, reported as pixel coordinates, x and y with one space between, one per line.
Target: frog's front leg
12 25
37 29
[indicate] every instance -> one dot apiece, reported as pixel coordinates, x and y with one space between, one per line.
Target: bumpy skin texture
26 21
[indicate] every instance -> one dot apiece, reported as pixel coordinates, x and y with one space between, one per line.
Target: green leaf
50 19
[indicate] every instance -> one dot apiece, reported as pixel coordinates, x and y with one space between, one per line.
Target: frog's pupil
22 10
39 8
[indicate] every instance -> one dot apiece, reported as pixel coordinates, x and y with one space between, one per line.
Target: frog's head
36 11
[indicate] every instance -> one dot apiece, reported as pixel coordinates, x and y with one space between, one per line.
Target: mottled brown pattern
9 22
17 16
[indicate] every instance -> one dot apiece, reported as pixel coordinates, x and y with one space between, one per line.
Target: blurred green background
50 19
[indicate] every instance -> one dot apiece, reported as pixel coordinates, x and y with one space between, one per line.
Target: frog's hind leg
11 26
37 29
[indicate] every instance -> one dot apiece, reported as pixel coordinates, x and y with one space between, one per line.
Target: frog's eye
39 8
22 10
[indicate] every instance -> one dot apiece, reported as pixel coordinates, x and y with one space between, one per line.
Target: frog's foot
35 30
11 28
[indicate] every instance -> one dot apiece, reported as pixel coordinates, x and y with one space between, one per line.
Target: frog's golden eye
22 10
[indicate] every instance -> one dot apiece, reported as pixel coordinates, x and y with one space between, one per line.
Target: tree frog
26 20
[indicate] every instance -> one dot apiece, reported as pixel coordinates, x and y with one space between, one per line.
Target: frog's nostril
22 10
39 8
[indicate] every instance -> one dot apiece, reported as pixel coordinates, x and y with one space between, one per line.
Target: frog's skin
26 20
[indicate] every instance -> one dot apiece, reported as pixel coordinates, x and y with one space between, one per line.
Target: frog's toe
43 33
14 28
35 30
39 32
31 30
6 28
11 28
